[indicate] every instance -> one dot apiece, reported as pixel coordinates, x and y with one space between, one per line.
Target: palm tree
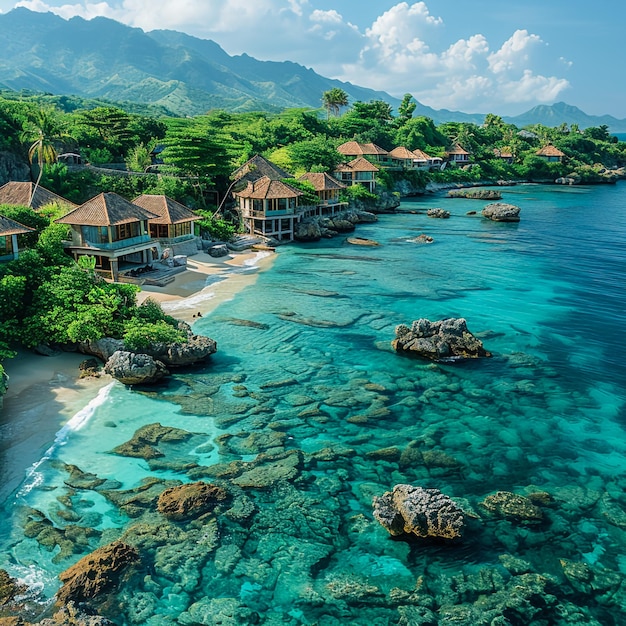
43 130
333 100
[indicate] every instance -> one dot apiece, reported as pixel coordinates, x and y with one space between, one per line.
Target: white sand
45 392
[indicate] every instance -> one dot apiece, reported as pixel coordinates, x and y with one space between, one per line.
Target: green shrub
139 334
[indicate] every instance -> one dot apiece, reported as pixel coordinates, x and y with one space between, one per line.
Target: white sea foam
191 302
33 476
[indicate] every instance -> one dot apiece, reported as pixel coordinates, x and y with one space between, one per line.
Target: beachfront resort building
327 189
270 208
358 172
551 154
457 155
175 221
25 194
113 230
413 159
9 230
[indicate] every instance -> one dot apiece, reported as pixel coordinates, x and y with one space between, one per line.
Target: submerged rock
421 512
96 573
190 501
447 339
512 506
501 212
475 194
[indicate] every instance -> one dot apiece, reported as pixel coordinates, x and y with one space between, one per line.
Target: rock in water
447 339
501 212
96 573
418 511
439 213
190 501
134 369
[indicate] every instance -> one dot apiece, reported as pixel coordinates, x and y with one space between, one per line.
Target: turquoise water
304 376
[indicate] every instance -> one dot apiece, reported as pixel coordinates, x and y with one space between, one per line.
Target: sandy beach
45 391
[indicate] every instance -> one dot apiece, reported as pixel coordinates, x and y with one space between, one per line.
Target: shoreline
45 392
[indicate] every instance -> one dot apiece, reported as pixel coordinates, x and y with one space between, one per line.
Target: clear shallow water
304 366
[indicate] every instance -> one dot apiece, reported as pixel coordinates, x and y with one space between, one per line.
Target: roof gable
168 211
266 189
351 148
11 227
258 167
19 194
322 181
550 151
106 209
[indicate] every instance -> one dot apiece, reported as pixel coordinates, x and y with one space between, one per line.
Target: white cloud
402 51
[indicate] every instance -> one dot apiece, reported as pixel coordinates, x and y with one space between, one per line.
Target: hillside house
413 159
111 229
9 230
551 154
457 155
175 221
270 208
327 189
504 154
258 167
370 151
21 194
358 172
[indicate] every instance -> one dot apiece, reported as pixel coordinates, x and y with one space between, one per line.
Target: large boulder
97 573
190 501
438 213
307 230
501 212
447 339
194 349
131 368
422 512
218 250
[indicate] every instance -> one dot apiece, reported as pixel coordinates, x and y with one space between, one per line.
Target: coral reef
190 501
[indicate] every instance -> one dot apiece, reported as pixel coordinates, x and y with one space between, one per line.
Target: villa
270 208
113 230
413 159
9 230
21 194
327 189
258 167
458 155
551 154
175 222
372 152
358 172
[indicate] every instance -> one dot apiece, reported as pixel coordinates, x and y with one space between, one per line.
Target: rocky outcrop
190 501
438 213
423 238
218 250
475 194
149 365
308 230
314 228
422 512
12 168
447 339
96 573
131 368
501 212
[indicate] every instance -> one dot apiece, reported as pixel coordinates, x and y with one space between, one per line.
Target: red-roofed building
458 155
111 229
327 189
358 172
270 208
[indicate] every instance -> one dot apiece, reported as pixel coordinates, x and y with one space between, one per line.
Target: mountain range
185 75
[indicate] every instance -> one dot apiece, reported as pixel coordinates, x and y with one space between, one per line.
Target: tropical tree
406 109
43 130
333 100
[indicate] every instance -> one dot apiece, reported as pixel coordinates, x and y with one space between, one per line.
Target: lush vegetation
46 297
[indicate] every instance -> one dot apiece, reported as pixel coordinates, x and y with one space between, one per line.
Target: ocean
305 415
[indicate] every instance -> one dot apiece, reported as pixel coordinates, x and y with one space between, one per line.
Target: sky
476 56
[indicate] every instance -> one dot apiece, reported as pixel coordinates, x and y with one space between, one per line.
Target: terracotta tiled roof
11 227
17 193
550 151
503 153
420 155
266 189
402 153
107 209
351 148
360 165
169 211
322 181
258 167
457 149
